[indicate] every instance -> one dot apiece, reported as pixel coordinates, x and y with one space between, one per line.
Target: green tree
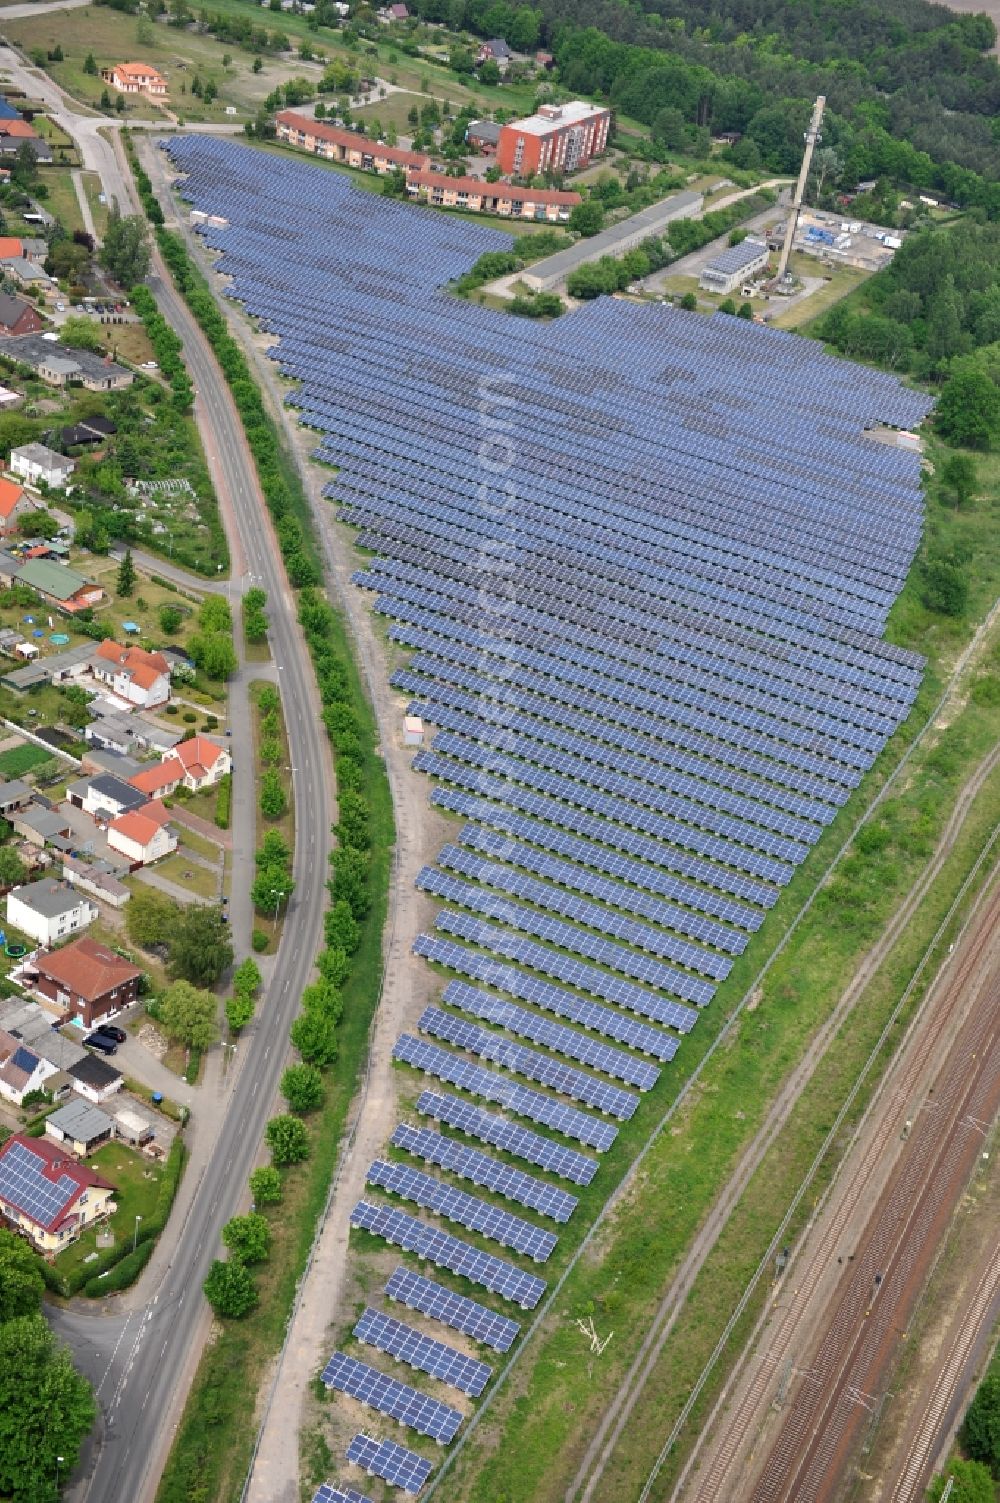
105 100
125 252
271 887
188 1015
90 65
126 575
727 306
46 1410
587 218
230 1289
302 1088
968 410
150 917
945 586
273 801
214 614
248 1237
257 65
287 1139
689 301
21 1282
12 869
959 478
214 653
247 977
170 619
314 1035
265 1185
200 947
239 1011
972 1483
745 310
68 260
980 1432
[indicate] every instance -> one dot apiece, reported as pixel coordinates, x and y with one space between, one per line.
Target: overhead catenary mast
812 136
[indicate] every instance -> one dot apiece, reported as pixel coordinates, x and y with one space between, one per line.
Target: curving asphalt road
142 1362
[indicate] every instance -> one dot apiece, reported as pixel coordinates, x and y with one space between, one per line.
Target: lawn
273 924
61 199
179 54
18 760
392 110
843 279
191 875
136 1181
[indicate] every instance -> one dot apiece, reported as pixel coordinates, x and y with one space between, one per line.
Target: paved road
143 1361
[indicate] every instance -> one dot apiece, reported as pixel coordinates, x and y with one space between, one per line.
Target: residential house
495 51
339 145
14 504
159 780
98 877
139 678
388 13
63 588
42 826
48 910
32 1025
18 316
143 835
21 1069
104 797
40 465
95 1079
15 134
136 78
11 246
124 733
87 980
29 275
13 796
79 1127
204 761
47 1195
88 432
478 197
58 364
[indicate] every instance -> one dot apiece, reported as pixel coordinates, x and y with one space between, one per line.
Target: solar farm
642 561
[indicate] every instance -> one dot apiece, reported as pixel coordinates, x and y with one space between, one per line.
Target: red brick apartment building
345 146
560 138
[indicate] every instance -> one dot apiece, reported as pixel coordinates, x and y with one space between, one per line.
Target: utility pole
812 136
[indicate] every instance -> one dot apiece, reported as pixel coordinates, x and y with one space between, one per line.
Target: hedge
166 347
149 1230
224 801
123 1273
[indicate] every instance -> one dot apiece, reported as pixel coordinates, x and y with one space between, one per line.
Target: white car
150 365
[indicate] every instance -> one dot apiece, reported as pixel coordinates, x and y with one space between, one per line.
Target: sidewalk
163 884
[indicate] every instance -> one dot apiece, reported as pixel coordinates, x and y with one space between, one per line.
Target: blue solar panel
481 1169
328 1493
465 1315
475 1215
445 1251
395 1464
422 1413
567 1163
422 1352
25 1185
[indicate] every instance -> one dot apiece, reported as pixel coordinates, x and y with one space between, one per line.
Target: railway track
925 1444
843 1385
715 1481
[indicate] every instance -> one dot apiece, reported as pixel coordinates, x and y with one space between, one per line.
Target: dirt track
818 1370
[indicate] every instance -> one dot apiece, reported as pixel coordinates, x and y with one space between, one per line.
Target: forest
912 92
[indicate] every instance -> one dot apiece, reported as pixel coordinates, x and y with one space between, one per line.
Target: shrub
189 717
265 1185
122 1275
287 1139
302 1088
248 1238
224 801
230 1289
259 940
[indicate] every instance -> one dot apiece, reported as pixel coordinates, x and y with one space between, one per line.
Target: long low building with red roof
479 197
346 146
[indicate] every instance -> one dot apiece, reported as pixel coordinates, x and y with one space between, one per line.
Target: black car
111 1032
100 1041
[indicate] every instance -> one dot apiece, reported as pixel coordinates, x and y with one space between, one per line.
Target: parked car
110 1031
100 1041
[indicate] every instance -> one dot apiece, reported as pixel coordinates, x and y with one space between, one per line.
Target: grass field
843 280
18 760
177 53
392 110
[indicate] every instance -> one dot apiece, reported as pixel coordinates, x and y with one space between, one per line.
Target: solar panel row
422 1352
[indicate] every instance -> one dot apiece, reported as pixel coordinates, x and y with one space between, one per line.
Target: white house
143 835
49 911
132 675
104 797
203 761
22 1070
37 463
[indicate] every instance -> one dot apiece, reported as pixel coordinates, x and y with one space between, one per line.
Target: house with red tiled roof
132 675
161 779
204 761
136 78
347 146
11 247
14 504
49 1196
87 979
142 835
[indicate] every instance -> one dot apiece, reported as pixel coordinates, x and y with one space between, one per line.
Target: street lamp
135 1234
59 1462
277 895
